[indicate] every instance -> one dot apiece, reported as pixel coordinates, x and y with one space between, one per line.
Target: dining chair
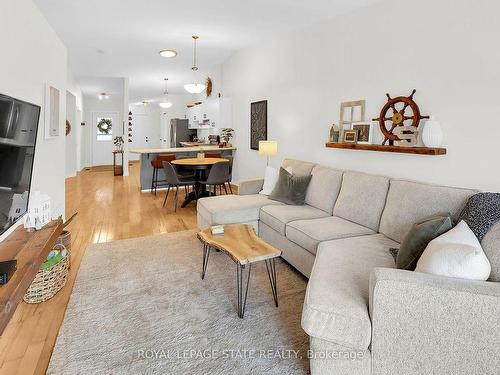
157 164
230 158
183 171
218 176
174 180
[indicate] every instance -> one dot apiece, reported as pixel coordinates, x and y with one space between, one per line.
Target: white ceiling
121 38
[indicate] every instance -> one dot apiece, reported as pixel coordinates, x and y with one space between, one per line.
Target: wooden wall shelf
381 148
30 249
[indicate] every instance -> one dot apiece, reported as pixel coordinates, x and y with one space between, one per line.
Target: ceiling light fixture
103 96
166 104
195 87
168 53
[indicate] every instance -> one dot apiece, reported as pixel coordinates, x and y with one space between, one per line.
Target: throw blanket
481 212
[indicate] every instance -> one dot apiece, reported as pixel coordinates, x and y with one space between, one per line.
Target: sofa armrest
250 186
423 324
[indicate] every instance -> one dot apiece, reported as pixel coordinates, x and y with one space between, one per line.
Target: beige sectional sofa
364 316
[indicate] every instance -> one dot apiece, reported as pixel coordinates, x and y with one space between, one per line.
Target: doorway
104 125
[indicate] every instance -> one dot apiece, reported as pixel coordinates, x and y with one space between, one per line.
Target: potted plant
226 135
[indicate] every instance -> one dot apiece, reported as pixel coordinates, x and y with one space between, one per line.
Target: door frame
93 138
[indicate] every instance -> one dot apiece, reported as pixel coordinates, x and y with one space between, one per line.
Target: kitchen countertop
178 149
194 144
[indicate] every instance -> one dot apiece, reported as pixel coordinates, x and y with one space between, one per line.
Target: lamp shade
194 88
165 105
268 148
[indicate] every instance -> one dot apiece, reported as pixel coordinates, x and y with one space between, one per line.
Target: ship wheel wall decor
399 120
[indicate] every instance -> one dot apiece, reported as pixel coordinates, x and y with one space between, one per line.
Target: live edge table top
241 243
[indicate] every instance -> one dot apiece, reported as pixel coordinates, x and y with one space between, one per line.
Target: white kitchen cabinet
213 113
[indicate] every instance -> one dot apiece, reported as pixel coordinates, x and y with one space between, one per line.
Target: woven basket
49 281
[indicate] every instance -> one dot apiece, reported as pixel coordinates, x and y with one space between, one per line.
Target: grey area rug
139 306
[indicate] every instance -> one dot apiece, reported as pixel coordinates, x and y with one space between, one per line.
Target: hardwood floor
109 208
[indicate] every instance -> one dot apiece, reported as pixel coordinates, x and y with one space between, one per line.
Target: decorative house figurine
17 208
39 213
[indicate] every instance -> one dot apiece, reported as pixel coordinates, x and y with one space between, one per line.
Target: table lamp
268 148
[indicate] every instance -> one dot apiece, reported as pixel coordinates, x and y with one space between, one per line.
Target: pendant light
166 104
195 87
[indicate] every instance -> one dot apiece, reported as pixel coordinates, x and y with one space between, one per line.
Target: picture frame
365 132
350 136
258 123
350 112
52 111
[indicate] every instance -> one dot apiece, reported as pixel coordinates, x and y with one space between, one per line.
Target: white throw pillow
456 253
270 179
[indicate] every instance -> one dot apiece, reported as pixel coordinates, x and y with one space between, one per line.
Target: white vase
432 135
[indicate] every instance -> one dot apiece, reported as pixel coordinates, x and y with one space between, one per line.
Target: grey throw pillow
290 189
417 239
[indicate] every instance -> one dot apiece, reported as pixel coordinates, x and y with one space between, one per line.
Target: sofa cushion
336 302
362 198
298 167
279 215
229 209
409 202
324 188
309 233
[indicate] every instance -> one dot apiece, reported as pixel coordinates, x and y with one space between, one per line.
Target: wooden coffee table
241 243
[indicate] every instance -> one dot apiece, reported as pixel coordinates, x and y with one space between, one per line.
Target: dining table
200 167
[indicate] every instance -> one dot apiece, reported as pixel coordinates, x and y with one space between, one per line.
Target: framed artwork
52 111
350 136
258 123
350 112
365 131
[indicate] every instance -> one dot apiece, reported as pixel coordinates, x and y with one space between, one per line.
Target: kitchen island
147 155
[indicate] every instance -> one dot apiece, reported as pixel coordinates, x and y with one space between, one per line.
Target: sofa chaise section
336 302
231 209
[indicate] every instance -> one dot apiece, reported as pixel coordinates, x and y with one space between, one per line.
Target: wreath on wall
104 126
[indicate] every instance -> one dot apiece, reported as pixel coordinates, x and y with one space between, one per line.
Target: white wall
445 49
32 54
74 110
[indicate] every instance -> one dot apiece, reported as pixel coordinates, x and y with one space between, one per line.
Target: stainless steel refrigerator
179 132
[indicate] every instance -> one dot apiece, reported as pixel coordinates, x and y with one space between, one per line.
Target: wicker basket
49 281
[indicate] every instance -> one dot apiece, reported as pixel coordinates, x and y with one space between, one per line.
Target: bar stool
157 164
213 154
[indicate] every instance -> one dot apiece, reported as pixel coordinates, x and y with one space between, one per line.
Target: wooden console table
117 168
30 249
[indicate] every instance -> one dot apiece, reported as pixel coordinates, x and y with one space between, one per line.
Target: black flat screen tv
18 131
